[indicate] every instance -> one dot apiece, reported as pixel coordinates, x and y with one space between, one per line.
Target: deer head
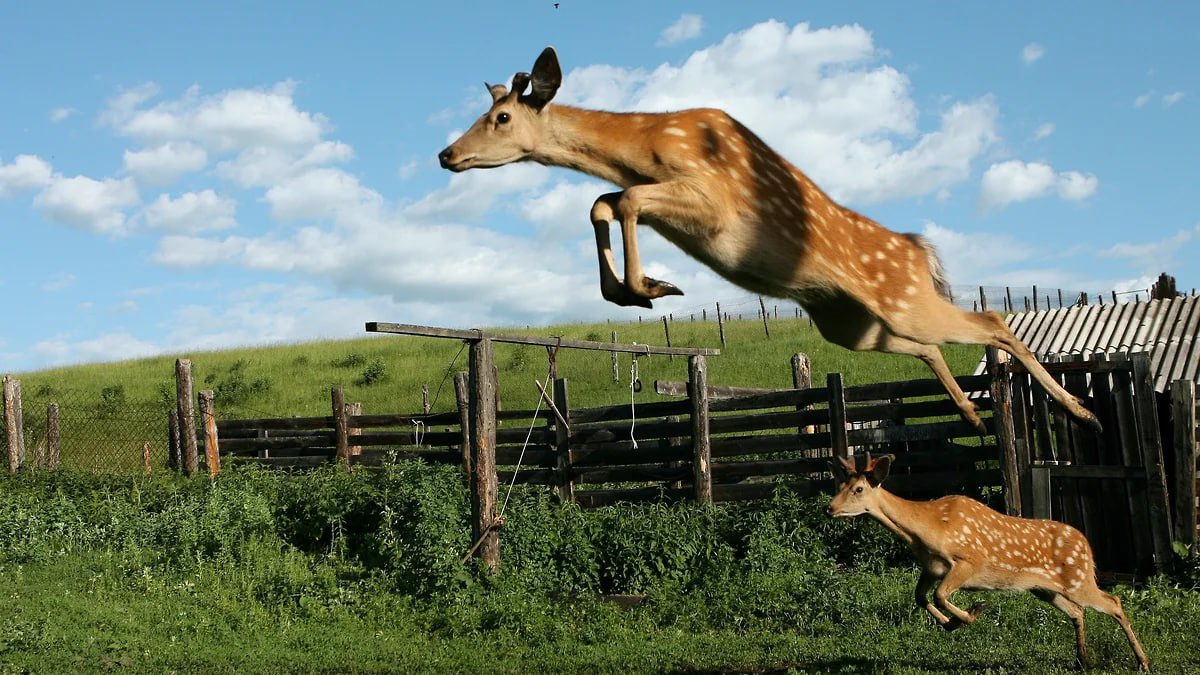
509 131
858 490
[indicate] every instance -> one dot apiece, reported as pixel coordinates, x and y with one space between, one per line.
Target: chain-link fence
105 433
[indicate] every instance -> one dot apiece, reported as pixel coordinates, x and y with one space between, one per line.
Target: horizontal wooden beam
477 334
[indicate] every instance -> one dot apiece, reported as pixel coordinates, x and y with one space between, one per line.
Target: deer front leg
611 286
921 595
959 573
636 289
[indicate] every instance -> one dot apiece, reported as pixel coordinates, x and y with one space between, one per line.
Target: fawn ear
546 78
878 468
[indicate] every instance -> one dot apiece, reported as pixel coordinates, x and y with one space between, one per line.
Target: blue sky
176 178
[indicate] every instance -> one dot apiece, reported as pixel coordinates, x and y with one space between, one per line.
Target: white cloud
88 204
1043 131
165 163
686 27
61 114
62 350
319 193
59 283
191 212
1032 53
563 211
977 257
1143 99
27 172
229 121
1172 98
1153 257
819 98
262 165
1016 181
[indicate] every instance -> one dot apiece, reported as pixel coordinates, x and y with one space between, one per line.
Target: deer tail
936 271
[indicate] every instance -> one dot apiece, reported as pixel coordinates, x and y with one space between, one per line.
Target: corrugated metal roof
1168 329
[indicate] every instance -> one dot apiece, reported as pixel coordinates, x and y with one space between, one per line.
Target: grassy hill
386 372
109 409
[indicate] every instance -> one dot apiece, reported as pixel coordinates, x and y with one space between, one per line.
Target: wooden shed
1167 330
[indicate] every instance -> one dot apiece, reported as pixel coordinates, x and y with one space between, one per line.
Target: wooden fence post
13 419
462 397
212 452
424 400
721 325
146 468
701 443
355 410
53 437
1183 415
562 445
174 456
763 310
616 370
1002 421
1152 459
837 416
802 379
341 432
667 334
186 411
483 386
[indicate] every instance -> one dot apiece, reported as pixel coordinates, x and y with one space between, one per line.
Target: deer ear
546 78
498 91
878 468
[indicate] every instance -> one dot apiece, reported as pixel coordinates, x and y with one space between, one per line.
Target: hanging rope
418 432
635 385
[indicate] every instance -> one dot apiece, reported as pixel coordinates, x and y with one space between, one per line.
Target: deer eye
503 118
858 490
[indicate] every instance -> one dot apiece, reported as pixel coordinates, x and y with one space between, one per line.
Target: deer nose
445 156
829 510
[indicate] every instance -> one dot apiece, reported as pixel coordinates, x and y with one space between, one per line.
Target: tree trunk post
701 443
186 410
483 395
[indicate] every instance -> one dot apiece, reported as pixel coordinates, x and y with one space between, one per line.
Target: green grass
326 572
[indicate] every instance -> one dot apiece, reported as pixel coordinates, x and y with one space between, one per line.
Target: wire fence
103 434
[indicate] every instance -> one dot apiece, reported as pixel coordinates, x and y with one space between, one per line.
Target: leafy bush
351 360
374 373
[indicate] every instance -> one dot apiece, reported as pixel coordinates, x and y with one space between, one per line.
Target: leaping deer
706 183
967 545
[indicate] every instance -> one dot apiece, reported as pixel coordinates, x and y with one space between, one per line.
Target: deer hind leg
846 322
931 319
1111 605
1074 611
932 356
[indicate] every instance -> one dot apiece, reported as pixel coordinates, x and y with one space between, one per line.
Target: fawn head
509 131
857 490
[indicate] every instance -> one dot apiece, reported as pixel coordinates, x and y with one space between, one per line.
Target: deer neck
601 144
906 519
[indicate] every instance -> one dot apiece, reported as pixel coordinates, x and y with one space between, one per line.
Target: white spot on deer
702 125
675 131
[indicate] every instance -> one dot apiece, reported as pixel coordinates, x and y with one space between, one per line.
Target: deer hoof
622 296
1089 418
657 289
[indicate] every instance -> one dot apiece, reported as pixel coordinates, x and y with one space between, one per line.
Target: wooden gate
1113 485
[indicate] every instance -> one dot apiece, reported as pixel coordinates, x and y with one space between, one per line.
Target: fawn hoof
1092 422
